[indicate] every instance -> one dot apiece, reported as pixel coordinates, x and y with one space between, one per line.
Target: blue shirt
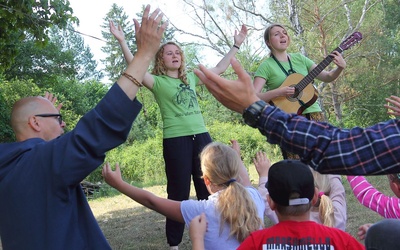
42 205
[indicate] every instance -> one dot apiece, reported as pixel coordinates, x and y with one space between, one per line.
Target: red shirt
300 235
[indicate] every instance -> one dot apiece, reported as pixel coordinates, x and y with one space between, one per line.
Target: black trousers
182 163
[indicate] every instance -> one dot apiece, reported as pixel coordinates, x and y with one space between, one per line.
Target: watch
253 113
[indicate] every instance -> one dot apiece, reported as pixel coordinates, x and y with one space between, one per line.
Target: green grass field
128 225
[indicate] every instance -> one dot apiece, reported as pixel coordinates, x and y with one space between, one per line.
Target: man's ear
34 123
271 203
315 197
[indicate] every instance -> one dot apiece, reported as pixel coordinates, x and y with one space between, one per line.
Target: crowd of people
44 206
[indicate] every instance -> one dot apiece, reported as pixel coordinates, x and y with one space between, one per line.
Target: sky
91 13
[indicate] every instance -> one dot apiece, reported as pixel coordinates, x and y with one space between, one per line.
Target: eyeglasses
59 117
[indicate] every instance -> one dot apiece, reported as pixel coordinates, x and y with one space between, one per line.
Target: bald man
42 205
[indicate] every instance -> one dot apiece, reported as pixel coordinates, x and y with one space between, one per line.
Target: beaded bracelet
235 46
133 79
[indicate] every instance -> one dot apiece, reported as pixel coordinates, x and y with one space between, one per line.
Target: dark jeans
383 235
182 162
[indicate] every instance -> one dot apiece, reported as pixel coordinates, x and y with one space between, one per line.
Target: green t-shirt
178 104
273 74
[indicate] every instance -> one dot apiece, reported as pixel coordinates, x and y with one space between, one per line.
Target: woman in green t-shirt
184 130
273 72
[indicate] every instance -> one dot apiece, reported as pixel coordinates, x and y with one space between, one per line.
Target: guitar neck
315 72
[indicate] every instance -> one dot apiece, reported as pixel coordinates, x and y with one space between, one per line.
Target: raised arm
147 80
119 34
225 61
169 208
262 165
243 174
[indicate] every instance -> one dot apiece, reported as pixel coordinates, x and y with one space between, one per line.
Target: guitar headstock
351 40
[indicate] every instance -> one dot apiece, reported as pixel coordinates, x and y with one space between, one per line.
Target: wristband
235 46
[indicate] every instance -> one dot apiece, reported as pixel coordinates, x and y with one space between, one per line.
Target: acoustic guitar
305 93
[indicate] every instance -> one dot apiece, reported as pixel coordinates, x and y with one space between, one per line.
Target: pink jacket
367 195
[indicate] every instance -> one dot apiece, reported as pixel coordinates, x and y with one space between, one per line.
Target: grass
128 225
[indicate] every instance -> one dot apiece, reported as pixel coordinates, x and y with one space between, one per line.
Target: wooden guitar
305 93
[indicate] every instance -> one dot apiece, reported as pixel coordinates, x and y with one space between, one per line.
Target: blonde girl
330 209
233 210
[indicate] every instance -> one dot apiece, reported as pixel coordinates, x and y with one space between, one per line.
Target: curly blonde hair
159 65
220 163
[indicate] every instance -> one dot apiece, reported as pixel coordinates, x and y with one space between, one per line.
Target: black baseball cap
287 177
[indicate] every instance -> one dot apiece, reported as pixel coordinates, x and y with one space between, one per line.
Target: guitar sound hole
296 96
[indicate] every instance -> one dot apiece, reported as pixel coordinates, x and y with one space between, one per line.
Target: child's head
221 167
170 57
291 187
394 182
220 163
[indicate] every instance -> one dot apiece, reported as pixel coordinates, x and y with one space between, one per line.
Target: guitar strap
287 73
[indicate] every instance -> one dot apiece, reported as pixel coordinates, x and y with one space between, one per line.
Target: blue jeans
383 235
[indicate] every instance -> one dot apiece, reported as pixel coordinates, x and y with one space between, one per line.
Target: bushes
142 161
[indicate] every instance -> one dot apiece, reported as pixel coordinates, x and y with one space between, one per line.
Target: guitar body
302 99
305 93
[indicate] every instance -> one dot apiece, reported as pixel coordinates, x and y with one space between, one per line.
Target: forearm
334 74
126 51
329 149
198 243
137 69
225 61
166 207
269 95
264 192
244 176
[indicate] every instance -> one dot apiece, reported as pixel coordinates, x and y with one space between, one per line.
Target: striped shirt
368 196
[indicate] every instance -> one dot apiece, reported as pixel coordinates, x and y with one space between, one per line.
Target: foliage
115 62
29 17
10 92
142 161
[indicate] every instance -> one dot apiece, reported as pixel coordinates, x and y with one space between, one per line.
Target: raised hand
240 36
149 33
233 94
262 164
236 146
53 99
113 178
117 32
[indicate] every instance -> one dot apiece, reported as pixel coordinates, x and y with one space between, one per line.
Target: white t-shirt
213 239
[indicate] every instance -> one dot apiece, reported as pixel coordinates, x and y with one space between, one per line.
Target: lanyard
287 73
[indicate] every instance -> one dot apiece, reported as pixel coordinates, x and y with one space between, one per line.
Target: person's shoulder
297 55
